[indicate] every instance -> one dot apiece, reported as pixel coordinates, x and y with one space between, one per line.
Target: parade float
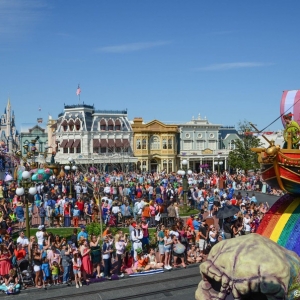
266 264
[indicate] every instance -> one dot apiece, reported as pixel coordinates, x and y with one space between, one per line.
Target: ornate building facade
90 136
8 132
205 145
155 145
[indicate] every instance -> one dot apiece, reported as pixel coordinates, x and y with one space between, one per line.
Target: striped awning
69 144
126 143
111 143
96 143
118 143
103 143
63 143
76 143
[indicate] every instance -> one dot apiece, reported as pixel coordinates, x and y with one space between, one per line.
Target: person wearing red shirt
80 205
20 252
189 222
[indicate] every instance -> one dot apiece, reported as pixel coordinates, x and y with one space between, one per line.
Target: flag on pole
40 108
78 91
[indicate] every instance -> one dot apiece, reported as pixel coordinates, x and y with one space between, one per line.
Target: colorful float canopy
281 223
290 103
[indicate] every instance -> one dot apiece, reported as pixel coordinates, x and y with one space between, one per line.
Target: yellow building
155 145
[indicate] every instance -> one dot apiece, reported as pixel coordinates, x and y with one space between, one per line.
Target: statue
249 267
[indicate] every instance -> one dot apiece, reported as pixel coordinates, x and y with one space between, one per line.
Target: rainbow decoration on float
281 223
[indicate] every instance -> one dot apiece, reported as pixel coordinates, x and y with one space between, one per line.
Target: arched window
144 144
77 125
164 143
144 165
138 144
170 143
231 145
155 143
64 125
103 125
71 125
118 125
110 124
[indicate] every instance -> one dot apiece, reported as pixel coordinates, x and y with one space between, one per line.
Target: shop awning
103 143
69 144
126 143
96 143
63 143
111 143
118 143
76 143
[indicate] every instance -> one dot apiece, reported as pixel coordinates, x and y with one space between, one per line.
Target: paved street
174 284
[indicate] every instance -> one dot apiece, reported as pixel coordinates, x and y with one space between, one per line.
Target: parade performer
293 128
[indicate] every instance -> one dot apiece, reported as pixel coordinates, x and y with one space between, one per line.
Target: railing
78 106
124 112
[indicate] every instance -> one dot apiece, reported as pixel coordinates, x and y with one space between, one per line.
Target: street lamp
26 186
218 162
71 167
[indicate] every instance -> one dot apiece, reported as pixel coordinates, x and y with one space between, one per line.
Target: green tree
242 157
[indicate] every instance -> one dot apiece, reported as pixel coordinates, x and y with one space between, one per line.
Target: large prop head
249 267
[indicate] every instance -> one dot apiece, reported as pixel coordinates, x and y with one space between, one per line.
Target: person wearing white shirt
23 240
136 238
107 189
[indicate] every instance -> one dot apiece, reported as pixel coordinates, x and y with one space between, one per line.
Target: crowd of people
141 214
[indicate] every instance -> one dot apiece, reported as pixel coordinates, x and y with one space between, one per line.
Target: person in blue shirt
46 272
196 224
82 233
19 211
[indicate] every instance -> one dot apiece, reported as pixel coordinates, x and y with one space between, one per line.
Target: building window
103 150
71 150
187 145
126 149
110 125
77 125
118 125
211 135
78 149
187 135
96 150
144 165
155 143
64 125
200 145
165 165
199 135
212 145
170 144
71 125
164 143
118 149
65 150
170 165
144 144
231 145
138 144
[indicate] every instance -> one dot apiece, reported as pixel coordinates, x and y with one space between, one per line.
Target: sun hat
19 203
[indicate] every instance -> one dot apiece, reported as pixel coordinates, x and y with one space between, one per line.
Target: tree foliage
242 157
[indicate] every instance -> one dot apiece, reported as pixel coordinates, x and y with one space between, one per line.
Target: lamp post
71 167
218 163
183 173
26 186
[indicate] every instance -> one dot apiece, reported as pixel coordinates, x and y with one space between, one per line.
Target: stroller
24 273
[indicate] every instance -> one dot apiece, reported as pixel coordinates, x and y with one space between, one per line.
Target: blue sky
166 60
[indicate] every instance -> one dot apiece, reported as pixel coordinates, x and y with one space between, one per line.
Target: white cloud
132 47
235 65
17 15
